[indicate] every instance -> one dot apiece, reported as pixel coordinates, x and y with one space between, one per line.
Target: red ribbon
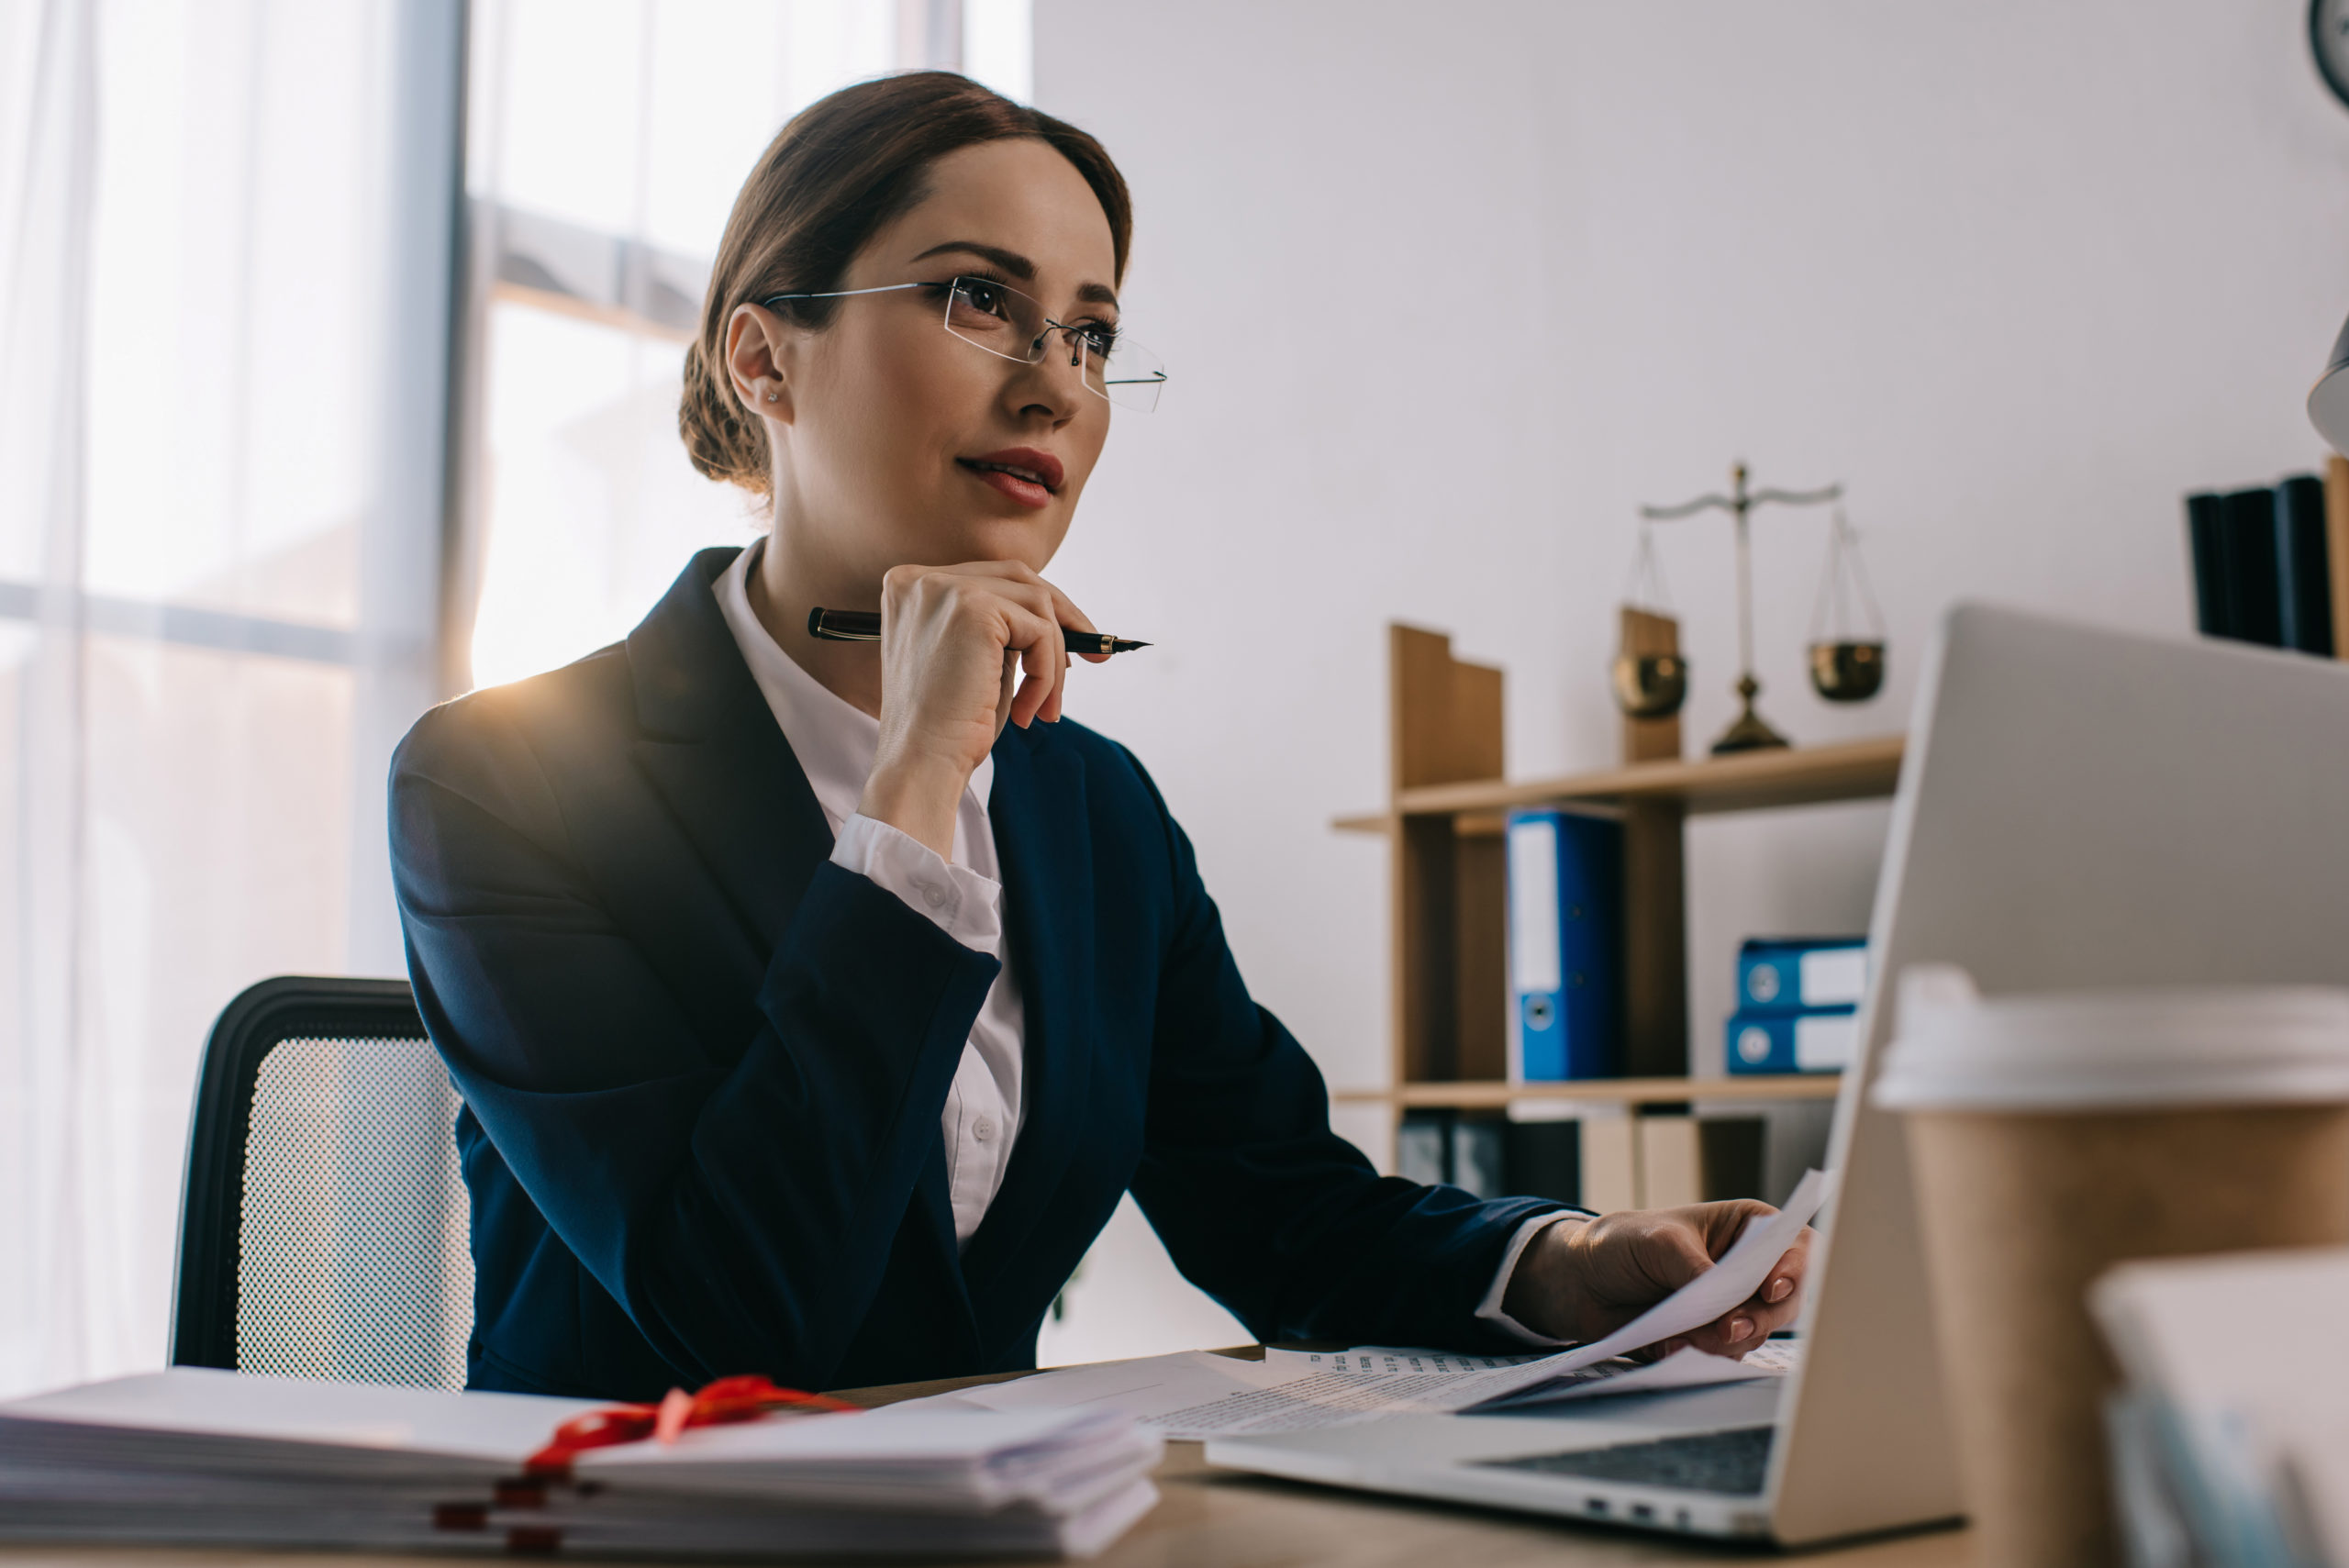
728 1400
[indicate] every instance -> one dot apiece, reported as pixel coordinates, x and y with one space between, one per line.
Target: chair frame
290 1007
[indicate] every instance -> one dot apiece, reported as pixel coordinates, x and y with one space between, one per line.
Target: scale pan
1847 672
1650 685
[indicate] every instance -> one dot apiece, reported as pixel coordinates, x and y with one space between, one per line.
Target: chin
1031 538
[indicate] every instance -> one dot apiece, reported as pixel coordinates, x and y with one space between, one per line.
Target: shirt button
933 895
983 1130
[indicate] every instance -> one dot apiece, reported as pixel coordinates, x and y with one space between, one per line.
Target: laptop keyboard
1733 1462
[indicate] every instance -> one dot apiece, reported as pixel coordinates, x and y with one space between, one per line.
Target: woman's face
891 434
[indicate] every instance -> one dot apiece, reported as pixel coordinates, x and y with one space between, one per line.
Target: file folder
1565 881
1788 974
1823 1040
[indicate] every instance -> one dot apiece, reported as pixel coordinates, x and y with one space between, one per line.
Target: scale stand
1751 732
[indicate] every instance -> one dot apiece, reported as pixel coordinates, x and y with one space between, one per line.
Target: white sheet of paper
1146 1389
1684 1368
496 1427
1379 1359
1198 1395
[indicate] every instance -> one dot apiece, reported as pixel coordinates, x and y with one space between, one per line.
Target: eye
1100 337
984 299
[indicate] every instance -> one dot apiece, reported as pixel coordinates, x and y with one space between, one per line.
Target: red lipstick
1025 474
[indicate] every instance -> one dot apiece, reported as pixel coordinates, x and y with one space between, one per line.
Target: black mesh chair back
324 1227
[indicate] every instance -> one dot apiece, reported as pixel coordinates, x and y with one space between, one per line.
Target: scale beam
1800 498
1731 503
1687 508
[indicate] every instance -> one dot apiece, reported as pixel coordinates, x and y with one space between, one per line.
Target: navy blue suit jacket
702 1067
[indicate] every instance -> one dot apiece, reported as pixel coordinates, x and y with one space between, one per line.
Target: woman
813 1002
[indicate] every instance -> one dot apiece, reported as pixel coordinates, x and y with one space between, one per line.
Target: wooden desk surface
1213 1519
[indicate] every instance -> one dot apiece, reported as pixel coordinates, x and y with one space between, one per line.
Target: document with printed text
1197 1393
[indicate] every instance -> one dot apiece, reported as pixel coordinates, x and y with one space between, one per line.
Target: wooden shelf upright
1447 807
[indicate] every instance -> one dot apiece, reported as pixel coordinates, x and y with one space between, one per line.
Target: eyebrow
1019 266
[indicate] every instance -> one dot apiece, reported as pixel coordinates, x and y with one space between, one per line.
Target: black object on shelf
2204 533
2304 583
1730 1149
1489 1156
2255 607
1543 1159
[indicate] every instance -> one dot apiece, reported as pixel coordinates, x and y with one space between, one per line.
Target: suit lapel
714 753
1043 842
745 805
712 749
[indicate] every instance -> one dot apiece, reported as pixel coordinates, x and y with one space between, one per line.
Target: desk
1214 1518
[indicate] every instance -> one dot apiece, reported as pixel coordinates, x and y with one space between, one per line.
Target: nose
1045 384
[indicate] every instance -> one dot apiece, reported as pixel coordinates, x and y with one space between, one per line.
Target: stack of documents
2230 1442
191 1457
1199 1394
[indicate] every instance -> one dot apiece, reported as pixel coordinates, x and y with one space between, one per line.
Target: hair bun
723 442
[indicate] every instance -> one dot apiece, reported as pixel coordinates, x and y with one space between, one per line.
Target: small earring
774 397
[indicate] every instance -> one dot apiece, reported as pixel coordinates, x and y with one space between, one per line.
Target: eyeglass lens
1006 322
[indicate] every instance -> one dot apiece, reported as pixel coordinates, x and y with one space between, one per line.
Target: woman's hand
954 641
1580 1282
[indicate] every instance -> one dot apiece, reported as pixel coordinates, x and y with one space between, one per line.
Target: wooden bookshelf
1855 770
1447 805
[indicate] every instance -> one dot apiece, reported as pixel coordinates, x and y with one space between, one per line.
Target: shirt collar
835 740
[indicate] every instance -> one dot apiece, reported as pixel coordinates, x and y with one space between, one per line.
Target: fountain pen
864 626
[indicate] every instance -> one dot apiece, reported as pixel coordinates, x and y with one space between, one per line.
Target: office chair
324 1224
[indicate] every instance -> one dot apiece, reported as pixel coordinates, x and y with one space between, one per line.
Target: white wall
1447 290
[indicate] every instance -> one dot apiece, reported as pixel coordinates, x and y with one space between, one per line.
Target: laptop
2077 807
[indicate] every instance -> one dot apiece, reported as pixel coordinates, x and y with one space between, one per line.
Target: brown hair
840 170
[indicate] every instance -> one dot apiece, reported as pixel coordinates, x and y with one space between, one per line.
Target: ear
759 352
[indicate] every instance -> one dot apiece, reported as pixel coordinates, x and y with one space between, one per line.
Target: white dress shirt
836 744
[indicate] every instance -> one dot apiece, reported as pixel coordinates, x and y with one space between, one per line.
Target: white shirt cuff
1489 1311
958 900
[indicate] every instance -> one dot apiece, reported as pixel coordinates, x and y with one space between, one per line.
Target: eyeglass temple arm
775 299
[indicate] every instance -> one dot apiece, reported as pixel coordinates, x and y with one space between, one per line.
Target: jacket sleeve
739 1204
1265 1208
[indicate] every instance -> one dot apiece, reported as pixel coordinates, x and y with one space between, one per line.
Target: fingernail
1738 1328
1781 1289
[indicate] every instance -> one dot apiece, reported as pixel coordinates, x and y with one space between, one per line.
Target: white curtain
48 92
208 621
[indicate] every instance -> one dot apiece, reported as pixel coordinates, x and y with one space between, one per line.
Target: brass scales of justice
1650 677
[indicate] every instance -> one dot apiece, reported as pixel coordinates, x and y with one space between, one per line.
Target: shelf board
1856 770
1607 1091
